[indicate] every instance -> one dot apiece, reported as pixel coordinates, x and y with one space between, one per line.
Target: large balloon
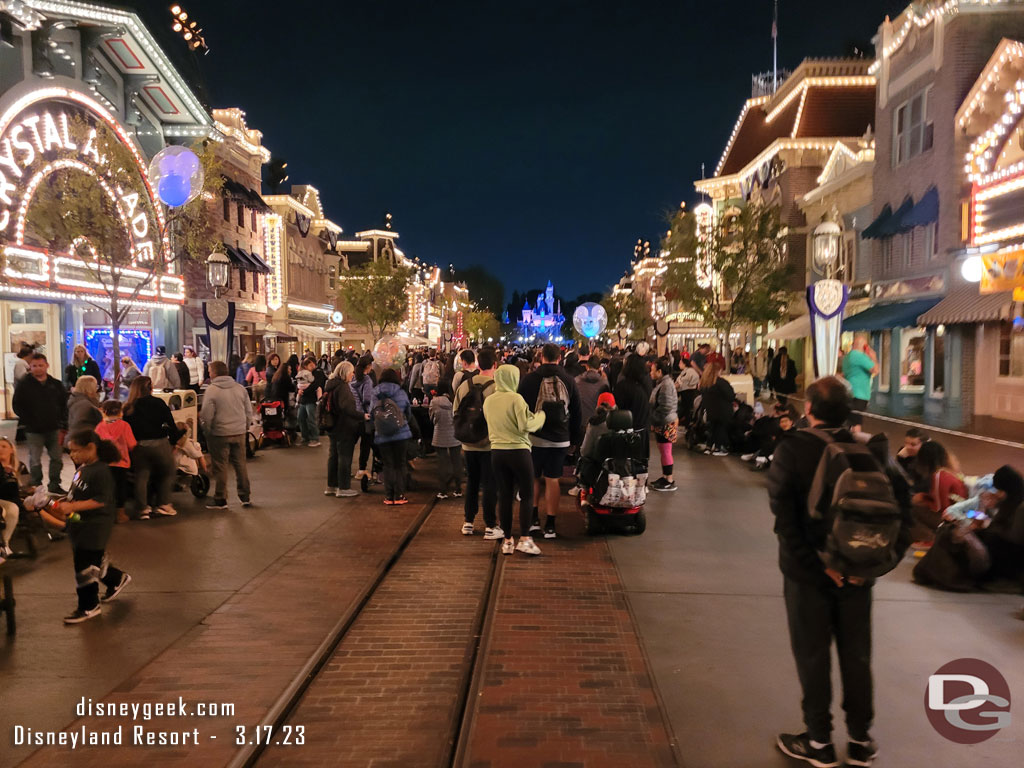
590 319
389 351
177 175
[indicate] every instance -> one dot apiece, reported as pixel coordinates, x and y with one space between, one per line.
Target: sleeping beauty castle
544 320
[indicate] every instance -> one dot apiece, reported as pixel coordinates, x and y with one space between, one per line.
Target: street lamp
217 265
826 298
826 245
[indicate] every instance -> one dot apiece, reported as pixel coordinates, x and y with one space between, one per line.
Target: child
88 513
119 432
589 464
449 449
14 482
188 456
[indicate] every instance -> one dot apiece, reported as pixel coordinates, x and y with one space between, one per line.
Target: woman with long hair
783 375
362 386
344 428
633 391
273 363
152 458
83 405
717 397
282 384
13 476
256 378
945 487
81 364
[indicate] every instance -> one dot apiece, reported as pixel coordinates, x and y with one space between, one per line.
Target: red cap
606 398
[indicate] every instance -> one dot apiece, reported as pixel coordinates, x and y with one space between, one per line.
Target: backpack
158 375
326 417
431 373
470 425
553 399
854 499
388 418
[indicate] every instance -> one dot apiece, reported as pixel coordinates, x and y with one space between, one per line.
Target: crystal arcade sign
36 140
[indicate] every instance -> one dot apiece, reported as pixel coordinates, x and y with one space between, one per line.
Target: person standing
153 426
256 378
822 603
449 449
344 426
83 405
469 369
21 363
194 366
178 361
392 410
40 403
664 421
81 364
225 417
509 424
760 369
591 384
859 366
362 386
687 385
783 376
314 381
116 430
551 389
717 396
479 471
633 392
161 372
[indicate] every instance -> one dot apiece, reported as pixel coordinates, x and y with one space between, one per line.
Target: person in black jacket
821 602
152 458
40 402
81 365
716 398
632 391
563 427
347 427
782 375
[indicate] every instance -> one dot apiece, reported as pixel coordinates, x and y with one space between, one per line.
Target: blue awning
896 224
871 230
885 317
925 212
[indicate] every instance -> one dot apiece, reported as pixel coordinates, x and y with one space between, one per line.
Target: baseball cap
606 398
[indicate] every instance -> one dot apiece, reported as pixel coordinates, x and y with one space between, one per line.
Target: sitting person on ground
945 488
907 457
1003 535
14 486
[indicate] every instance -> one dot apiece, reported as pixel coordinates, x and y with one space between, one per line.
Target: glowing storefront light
273 248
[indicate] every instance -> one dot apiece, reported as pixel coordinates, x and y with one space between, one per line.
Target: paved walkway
705 588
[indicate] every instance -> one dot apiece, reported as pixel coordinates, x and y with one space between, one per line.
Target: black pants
449 468
817 613
394 455
513 470
339 460
718 433
91 568
480 475
365 448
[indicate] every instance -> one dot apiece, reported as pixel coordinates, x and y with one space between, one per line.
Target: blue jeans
36 442
307 422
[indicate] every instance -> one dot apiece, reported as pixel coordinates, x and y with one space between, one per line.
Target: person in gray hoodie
225 418
591 385
664 420
449 449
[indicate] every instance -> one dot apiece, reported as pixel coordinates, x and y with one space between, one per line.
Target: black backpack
388 418
853 497
470 425
327 419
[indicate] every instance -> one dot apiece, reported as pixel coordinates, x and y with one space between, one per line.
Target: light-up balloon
590 319
177 175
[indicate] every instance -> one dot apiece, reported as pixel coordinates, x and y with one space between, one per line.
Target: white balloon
590 319
177 175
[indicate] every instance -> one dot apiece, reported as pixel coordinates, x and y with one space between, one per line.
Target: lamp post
219 313
826 298
217 265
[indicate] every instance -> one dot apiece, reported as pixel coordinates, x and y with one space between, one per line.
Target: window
904 248
241 215
931 241
1011 350
912 342
241 279
252 220
256 282
227 209
913 129
887 254
938 387
332 274
26 316
884 360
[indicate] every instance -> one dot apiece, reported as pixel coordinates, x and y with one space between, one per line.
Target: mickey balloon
590 319
177 175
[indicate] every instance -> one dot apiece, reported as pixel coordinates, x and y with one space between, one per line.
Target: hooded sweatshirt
590 385
226 408
444 426
509 420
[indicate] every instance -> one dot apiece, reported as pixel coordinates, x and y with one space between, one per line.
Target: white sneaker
166 511
761 461
144 514
493 534
467 529
346 493
574 491
313 444
330 491
720 452
527 547
508 546
748 457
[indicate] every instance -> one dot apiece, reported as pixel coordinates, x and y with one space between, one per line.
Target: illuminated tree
630 307
481 325
375 295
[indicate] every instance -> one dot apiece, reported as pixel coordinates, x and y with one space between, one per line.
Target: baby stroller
614 481
272 420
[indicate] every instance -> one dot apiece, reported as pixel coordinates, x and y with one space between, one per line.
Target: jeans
308 423
339 460
394 454
91 569
226 449
449 468
816 613
513 470
36 442
153 460
480 475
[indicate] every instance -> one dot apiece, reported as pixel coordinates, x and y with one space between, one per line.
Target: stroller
272 420
614 482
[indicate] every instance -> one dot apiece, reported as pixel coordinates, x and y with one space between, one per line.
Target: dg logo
967 701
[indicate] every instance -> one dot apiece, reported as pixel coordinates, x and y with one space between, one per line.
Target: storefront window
884 360
912 344
1011 350
939 362
26 316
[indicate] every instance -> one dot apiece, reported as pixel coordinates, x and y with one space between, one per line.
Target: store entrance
27 322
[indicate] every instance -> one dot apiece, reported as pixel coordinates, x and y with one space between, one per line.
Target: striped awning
966 305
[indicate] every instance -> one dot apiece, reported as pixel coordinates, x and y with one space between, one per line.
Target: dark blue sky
538 138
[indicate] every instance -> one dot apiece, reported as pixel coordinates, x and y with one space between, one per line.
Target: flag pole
775 48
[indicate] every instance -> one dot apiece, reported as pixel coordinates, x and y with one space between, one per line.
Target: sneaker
457 494
313 444
389 502
861 752
77 616
663 484
719 452
400 500
246 502
467 529
707 451
346 493
761 462
113 592
508 546
574 491
799 746
56 490
217 504
549 528
330 491
527 547
144 514
535 525
493 534
166 511
364 483
748 457
441 496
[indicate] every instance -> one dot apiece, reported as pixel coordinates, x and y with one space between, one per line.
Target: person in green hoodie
509 424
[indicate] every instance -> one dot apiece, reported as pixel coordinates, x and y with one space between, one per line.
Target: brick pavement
390 694
566 683
249 649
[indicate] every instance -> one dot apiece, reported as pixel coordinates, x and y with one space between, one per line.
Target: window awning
895 223
794 329
244 195
925 212
885 317
871 230
315 332
236 257
260 263
966 305
254 263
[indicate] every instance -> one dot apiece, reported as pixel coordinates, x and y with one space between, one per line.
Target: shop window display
912 345
1011 350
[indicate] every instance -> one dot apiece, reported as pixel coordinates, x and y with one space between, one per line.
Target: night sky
539 138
